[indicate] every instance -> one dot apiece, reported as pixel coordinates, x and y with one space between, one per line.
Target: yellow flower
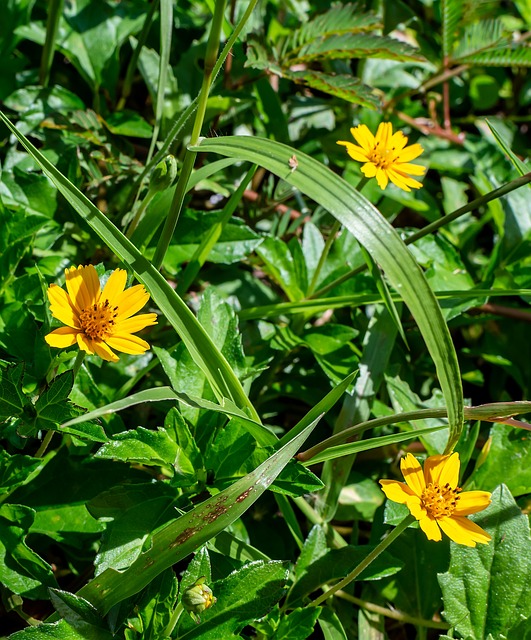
99 321
386 156
434 498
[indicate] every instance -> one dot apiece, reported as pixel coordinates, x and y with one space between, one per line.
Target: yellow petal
396 491
131 301
114 286
383 135
84 343
382 178
410 169
61 307
410 153
433 467
363 136
398 180
463 531
355 152
132 325
450 471
471 502
83 286
369 170
127 344
398 141
62 337
414 504
431 529
412 472
103 351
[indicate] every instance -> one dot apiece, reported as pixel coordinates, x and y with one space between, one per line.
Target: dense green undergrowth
310 314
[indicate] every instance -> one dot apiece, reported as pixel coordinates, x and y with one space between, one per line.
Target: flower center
440 502
382 157
97 320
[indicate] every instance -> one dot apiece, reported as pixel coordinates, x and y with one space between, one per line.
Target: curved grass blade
372 231
256 429
204 352
185 534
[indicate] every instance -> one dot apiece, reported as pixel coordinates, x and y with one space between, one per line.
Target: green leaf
280 264
13 401
79 613
154 610
507 462
179 538
128 123
331 625
486 588
203 351
297 625
55 631
358 45
451 13
245 595
372 231
22 571
17 470
521 167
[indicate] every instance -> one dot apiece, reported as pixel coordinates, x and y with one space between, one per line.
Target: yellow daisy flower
386 156
99 321
434 499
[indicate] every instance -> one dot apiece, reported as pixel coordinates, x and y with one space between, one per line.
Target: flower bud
163 174
197 598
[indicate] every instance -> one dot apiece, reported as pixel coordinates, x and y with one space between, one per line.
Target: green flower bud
197 598
163 174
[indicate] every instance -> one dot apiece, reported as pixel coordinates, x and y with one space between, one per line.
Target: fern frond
452 12
341 86
502 56
358 45
479 37
339 19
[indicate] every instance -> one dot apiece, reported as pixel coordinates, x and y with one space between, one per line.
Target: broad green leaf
179 538
79 613
55 631
198 567
486 588
298 624
245 595
521 167
154 610
331 625
507 462
17 470
128 123
372 231
214 365
22 571
13 401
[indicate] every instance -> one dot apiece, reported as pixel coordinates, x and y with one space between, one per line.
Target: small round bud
197 598
163 174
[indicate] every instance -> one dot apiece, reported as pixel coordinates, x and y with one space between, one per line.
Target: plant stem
366 561
492 195
189 158
49 434
174 619
55 10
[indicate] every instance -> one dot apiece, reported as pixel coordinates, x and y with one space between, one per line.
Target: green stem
492 195
138 215
311 514
174 619
52 25
49 434
366 561
189 159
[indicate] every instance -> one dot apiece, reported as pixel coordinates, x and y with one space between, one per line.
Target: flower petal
132 325
103 351
131 301
411 152
114 286
62 337
396 491
355 152
409 169
83 286
382 178
369 170
471 502
84 343
127 344
363 136
416 508
431 529
433 467
412 472
61 306
463 531
450 471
